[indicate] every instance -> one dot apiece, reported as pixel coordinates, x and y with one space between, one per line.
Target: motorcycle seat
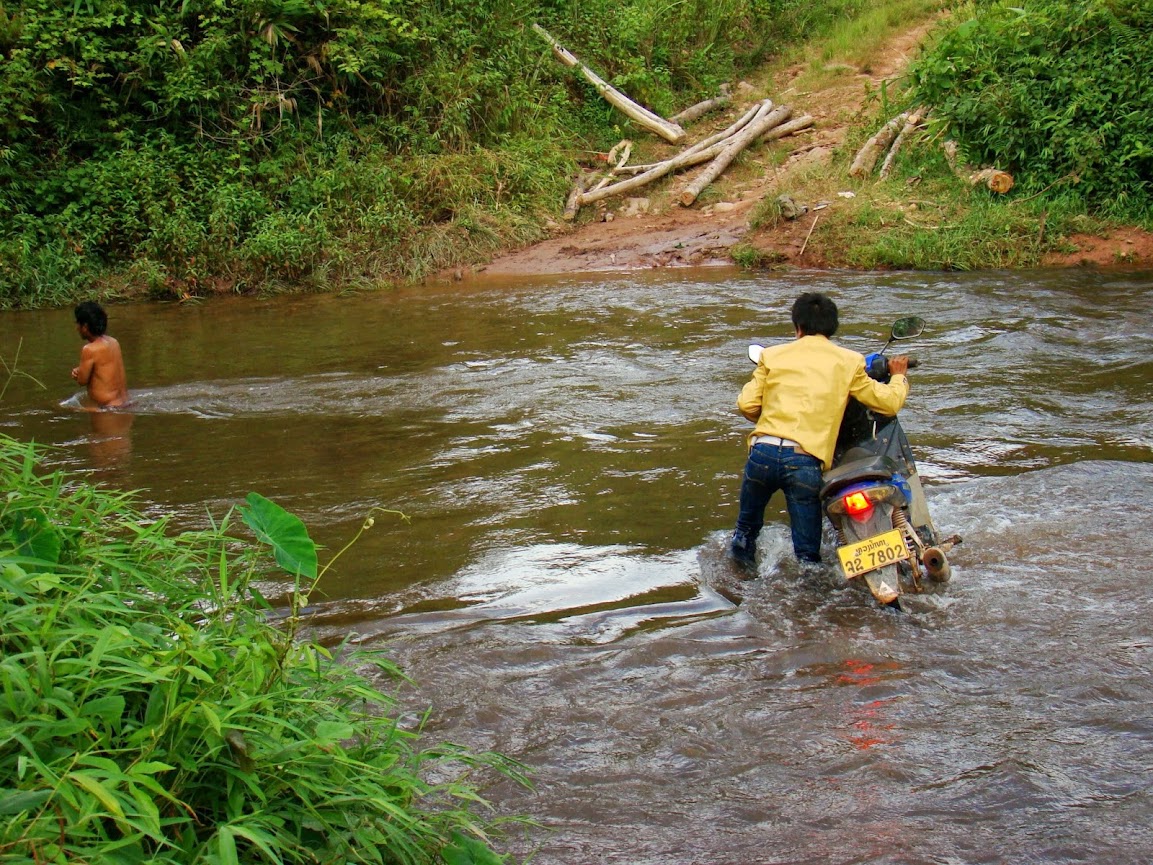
870 468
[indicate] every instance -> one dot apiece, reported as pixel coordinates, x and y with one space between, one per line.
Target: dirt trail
624 235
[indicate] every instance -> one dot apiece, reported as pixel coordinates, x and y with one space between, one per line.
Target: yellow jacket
800 389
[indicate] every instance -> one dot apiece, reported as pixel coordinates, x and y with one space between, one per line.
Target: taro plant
150 712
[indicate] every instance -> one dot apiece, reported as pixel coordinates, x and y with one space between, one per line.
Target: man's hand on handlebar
899 365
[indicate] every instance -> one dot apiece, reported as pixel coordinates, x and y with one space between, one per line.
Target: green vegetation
149 713
209 145
1054 92
1050 91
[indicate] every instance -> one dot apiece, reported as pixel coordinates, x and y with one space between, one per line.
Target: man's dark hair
92 314
815 314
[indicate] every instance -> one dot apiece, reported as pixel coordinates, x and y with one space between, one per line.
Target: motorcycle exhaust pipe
936 565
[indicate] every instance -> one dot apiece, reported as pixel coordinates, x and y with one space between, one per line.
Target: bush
1054 92
150 713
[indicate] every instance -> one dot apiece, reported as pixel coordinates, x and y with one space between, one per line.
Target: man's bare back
101 368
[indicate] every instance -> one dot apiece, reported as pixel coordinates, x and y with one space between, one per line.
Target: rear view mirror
907 328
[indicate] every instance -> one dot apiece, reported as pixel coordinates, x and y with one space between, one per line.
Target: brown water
569 454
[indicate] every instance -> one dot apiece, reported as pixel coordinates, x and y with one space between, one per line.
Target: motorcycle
873 497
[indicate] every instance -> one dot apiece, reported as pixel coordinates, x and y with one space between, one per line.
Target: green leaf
295 551
93 786
16 802
226 844
35 536
463 850
334 731
109 709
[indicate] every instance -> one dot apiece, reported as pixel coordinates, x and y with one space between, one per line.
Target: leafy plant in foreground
150 713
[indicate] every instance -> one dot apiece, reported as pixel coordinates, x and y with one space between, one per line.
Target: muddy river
569 455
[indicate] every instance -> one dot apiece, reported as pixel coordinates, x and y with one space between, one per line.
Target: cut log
695 112
795 125
911 123
671 132
868 155
992 178
759 122
757 127
702 145
681 160
573 204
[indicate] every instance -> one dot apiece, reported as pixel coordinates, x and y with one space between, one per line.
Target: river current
569 455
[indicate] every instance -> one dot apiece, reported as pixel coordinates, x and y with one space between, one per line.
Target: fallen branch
911 123
701 146
681 160
807 148
671 132
802 122
807 236
867 156
757 127
625 149
573 204
695 112
993 178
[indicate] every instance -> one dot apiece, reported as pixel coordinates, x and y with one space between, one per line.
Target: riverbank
843 220
457 159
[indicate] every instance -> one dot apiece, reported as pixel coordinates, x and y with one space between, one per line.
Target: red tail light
857 504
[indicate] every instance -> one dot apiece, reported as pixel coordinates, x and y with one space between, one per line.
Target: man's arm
884 398
749 401
83 373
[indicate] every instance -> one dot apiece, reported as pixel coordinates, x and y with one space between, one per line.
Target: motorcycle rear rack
874 468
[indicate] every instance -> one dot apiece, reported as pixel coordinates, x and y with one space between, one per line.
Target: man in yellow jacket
797 397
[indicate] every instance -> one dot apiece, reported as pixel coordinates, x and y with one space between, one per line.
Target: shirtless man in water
101 367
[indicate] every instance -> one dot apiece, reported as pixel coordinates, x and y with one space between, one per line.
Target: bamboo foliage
155 712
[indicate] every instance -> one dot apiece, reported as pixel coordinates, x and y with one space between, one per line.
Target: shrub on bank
1053 91
149 713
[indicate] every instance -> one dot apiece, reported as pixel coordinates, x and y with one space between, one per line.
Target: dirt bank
655 231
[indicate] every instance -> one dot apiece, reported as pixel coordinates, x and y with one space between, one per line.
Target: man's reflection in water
111 439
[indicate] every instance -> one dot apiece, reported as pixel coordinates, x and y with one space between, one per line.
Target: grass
851 44
149 712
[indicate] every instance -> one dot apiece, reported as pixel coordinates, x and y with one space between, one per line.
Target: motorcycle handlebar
878 366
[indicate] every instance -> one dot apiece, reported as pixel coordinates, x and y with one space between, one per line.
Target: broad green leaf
294 550
334 731
261 839
212 718
463 850
36 537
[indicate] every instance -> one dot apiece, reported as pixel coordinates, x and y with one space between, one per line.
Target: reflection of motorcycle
874 500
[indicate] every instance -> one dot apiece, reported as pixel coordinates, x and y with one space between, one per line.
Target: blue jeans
771 468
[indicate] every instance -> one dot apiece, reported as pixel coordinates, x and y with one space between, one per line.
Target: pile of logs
896 132
763 121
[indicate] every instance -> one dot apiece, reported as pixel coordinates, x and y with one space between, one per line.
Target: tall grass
150 713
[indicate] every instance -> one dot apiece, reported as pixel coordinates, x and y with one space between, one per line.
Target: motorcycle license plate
860 557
